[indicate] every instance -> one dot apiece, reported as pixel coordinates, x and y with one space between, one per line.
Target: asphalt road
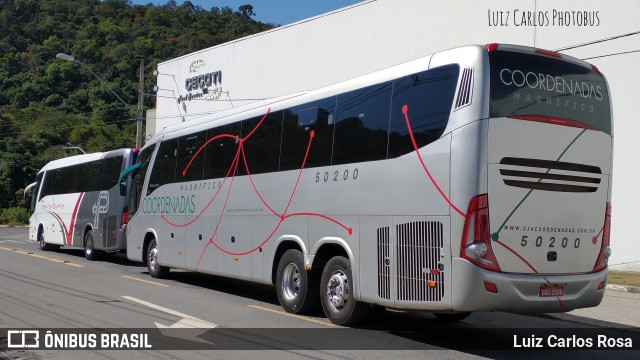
231 319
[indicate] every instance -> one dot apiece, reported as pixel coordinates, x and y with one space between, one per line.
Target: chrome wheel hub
338 290
291 281
153 258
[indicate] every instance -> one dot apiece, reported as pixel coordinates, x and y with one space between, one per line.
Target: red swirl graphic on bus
231 173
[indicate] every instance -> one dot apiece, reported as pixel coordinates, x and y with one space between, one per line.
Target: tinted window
299 121
137 178
527 84
221 152
93 176
110 173
262 147
191 167
164 167
429 97
362 125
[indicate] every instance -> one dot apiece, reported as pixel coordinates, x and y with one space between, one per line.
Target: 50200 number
337 175
551 242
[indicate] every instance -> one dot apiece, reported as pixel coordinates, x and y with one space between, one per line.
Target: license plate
551 290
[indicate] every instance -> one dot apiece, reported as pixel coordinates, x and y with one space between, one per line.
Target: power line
613 54
598 41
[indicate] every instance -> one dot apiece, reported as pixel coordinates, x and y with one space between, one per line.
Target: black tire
452 316
336 293
296 287
42 244
155 270
90 253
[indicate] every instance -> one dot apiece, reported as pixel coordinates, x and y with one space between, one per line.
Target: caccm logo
23 339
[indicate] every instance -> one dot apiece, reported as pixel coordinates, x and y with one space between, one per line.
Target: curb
624 288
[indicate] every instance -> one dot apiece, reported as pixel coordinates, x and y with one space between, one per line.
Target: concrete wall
375 34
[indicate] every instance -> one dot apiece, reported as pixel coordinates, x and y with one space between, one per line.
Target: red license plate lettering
551 290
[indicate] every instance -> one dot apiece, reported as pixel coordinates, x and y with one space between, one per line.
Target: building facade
376 34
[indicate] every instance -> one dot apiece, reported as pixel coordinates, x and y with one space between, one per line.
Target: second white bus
78 202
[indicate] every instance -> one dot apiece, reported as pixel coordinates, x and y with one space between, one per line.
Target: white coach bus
474 179
78 202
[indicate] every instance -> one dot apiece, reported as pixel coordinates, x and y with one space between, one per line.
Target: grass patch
623 278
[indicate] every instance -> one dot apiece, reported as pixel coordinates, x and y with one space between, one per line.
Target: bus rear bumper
520 293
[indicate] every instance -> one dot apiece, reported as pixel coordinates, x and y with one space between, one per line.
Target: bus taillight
491 47
605 250
125 216
476 239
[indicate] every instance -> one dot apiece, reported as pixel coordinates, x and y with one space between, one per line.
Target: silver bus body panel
536 223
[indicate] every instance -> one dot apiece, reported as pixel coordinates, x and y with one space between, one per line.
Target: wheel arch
87 228
329 247
283 244
149 235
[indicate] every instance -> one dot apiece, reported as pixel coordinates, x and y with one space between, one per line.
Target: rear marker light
601 285
125 217
492 288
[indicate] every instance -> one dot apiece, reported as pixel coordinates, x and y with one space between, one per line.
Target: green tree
46 102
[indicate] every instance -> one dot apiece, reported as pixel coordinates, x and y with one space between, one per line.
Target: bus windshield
530 84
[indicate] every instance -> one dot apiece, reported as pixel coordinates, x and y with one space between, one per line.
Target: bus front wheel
155 270
336 287
296 287
43 245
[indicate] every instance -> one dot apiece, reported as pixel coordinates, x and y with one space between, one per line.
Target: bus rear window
528 84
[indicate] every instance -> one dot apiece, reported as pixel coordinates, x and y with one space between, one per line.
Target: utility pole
140 106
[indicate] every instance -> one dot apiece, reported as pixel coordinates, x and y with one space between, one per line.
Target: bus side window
262 148
299 121
429 97
362 125
164 168
191 167
220 153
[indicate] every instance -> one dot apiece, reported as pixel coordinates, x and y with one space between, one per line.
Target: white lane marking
187 321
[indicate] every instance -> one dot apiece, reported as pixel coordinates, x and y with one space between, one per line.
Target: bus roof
79 159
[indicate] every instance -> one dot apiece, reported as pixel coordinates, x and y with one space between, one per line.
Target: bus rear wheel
90 253
296 287
155 270
337 297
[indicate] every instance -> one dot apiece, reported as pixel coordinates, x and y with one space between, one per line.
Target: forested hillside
46 103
